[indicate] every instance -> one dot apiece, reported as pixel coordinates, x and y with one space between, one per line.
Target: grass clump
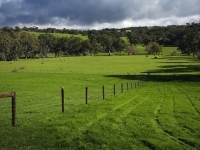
15 70
22 68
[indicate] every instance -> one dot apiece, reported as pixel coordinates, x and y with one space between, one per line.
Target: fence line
139 83
33 111
4 104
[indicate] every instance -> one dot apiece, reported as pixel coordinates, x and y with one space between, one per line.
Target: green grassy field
162 113
59 35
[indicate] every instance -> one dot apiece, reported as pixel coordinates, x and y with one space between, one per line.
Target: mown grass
163 113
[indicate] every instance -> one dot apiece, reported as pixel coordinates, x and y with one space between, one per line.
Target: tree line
16 43
20 44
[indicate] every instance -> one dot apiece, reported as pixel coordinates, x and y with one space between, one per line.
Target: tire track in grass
157 111
191 102
127 107
131 108
158 123
120 105
117 108
188 98
187 129
103 115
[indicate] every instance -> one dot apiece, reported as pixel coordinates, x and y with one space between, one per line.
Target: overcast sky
97 14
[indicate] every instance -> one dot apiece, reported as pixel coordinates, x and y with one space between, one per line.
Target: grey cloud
88 12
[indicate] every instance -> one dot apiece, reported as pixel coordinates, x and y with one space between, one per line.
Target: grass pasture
163 113
59 35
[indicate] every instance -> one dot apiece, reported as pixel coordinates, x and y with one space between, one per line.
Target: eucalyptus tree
61 45
133 38
190 40
29 44
154 48
131 49
75 46
45 44
119 45
87 48
16 49
5 45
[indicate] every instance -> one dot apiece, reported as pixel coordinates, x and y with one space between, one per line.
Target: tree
119 45
190 36
154 48
17 29
15 52
106 42
131 49
75 46
62 45
45 44
29 44
146 39
87 47
5 45
133 37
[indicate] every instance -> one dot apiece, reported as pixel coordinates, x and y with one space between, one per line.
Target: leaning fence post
14 109
86 95
63 99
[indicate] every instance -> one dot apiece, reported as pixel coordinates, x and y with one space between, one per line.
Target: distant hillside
58 35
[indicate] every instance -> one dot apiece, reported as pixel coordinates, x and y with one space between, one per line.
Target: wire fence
35 108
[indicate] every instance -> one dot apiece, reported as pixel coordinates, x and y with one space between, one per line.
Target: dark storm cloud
88 12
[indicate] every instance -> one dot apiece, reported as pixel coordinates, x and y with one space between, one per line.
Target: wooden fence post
114 89
103 91
63 99
122 88
127 86
14 109
86 95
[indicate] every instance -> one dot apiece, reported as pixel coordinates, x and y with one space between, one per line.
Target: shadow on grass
182 57
176 72
177 69
160 77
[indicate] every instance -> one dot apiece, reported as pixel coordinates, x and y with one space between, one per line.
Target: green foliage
72 42
154 48
5 45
